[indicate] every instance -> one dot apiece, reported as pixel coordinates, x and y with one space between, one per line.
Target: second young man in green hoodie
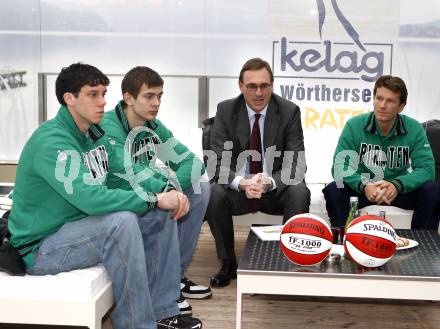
153 160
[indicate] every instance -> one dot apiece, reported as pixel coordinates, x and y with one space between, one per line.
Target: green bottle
353 213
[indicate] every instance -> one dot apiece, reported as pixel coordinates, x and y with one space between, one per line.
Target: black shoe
227 272
179 322
184 307
190 289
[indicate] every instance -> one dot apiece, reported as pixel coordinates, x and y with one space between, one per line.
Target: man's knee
154 220
330 189
125 222
205 189
298 191
203 195
333 192
430 191
218 195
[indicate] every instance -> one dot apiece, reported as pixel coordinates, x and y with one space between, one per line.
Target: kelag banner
326 56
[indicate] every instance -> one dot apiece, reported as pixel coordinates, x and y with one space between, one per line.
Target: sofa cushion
74 285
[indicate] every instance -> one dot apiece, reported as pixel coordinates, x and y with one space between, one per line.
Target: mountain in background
20 15
425 30
152 16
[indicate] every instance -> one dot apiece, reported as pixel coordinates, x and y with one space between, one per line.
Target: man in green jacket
65 218
384 158
153 160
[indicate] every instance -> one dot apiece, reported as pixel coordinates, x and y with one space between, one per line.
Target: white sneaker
184 306
190 289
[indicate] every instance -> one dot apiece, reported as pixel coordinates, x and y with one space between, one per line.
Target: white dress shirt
244 170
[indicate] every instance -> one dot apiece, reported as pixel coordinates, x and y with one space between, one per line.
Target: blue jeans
190 224
139 254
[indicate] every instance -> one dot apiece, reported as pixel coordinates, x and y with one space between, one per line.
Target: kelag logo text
351 60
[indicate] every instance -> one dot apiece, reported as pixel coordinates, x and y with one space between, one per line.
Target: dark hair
137 77
395 84
254 64
72 78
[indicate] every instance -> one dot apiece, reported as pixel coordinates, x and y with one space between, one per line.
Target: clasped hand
255 186
381 192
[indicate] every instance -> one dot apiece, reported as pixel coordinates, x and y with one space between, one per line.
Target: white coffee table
411 274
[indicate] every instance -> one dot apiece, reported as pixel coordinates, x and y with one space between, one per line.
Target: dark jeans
425 201
225 203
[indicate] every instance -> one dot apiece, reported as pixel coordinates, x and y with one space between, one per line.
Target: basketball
370 241
306 239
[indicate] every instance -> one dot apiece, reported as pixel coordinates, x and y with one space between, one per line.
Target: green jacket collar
398 128
95 131
122 116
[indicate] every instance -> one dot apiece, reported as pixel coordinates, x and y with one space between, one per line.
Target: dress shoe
227 272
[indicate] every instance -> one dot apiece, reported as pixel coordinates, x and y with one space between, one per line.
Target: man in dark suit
259 143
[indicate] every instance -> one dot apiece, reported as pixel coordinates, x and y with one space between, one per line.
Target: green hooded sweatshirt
364 154
148 152
60 178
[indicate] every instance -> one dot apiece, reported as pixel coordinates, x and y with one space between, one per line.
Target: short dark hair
137 77
254 64
72 78
395 84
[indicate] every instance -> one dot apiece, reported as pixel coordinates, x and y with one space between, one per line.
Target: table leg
239 304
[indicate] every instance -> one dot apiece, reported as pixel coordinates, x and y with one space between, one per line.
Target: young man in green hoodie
65 218
139 142
384 157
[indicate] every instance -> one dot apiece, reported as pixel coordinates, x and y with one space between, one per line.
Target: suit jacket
282 132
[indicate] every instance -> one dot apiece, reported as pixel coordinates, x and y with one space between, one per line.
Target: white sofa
76 298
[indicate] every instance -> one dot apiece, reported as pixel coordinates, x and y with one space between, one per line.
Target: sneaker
184 306
190 289
180 322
